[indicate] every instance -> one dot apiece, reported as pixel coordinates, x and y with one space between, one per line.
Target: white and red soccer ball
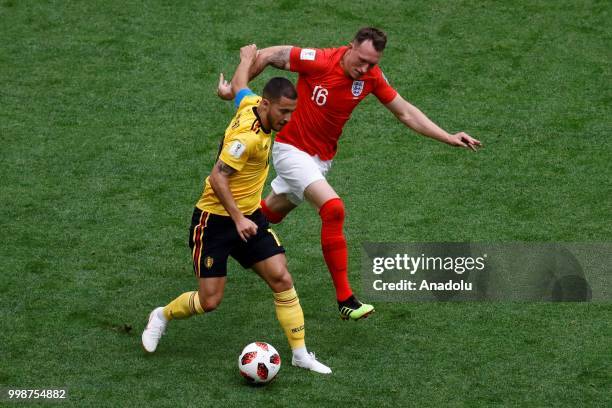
259 362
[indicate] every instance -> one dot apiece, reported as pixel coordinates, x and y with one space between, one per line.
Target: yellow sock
184 306
289 314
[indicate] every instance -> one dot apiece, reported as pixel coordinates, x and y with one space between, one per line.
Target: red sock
273 217
334 247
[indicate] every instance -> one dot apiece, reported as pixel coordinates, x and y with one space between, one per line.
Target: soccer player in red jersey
331 83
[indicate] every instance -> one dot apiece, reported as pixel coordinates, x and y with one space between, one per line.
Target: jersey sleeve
383 91
307 60
235 152
242 95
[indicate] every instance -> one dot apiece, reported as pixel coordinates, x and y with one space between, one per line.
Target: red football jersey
326 99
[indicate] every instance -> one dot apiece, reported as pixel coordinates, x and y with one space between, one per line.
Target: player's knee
332 210
282 281
285 281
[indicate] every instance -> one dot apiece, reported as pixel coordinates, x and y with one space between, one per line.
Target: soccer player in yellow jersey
228 221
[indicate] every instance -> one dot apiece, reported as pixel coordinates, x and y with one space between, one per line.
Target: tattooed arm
219 181
277 56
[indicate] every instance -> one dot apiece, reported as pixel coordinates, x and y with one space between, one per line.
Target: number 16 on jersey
319 95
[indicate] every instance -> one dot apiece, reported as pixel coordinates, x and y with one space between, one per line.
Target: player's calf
333 244
209 303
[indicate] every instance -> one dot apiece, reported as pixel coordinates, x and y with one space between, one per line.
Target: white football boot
154 330
311 363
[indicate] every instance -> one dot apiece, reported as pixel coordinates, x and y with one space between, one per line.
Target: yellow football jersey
246 148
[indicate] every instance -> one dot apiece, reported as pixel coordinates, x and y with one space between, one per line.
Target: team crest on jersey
208 262
357 88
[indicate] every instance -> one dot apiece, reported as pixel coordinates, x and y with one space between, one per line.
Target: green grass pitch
109 123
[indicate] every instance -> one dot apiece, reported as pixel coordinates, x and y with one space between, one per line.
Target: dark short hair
278 87
378 37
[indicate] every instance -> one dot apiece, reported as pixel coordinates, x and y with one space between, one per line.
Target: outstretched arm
277 56
416 120
241 78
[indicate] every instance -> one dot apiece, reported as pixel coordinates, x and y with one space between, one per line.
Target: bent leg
333 242
286 302
295 171
206 299
319 192
273 271
210 292
276 207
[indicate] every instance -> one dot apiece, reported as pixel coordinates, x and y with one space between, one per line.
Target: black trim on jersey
220 148
266 131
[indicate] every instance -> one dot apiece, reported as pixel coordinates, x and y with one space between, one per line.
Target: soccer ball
259 362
